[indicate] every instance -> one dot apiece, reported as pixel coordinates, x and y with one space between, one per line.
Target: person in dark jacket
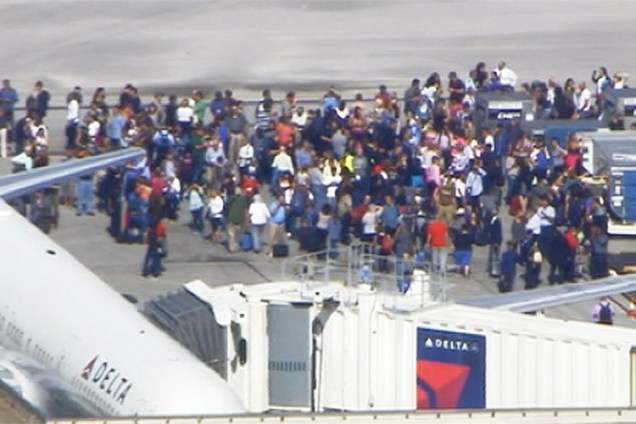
463 241
526 257
599 267
509 260
307 237
558 258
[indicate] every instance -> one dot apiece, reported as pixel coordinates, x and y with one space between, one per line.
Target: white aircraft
60 314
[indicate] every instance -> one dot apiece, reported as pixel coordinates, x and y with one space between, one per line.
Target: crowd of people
408 174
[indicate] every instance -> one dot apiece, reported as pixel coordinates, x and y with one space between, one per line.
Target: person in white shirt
601 77
174 184
507 77
281 164
488 137
583 100
342 111
72 110
41 139
185 117
299 118
547 215
214 160
475 187
534 224
460 189
215 205
93 129
370 222
259 218
461 159
73 100
620 80
245 156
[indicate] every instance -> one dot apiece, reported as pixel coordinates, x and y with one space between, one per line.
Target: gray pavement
305 43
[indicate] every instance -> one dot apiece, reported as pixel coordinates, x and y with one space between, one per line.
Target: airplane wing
534 300
15 185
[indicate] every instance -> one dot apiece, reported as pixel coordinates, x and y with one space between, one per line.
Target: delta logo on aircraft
107 378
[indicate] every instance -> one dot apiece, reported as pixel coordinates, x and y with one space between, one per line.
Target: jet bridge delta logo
107 378
451 369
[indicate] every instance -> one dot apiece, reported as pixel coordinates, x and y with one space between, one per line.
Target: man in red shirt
285 132
437 239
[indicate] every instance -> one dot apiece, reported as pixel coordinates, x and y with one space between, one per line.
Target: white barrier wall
370 359
537 362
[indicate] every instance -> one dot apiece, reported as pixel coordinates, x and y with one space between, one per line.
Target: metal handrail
361 264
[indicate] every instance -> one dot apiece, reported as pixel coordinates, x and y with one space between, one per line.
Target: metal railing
361 264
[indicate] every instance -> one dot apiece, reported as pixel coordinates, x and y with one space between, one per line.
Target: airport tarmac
303 44
306 45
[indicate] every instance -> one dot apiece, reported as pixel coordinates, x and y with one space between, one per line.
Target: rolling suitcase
247 242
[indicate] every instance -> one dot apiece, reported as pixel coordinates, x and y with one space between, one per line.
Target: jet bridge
193 324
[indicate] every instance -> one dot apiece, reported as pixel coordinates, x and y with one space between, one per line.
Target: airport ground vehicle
610 156
493 107
619 102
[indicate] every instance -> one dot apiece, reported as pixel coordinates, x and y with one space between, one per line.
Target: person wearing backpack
604 312
445 199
